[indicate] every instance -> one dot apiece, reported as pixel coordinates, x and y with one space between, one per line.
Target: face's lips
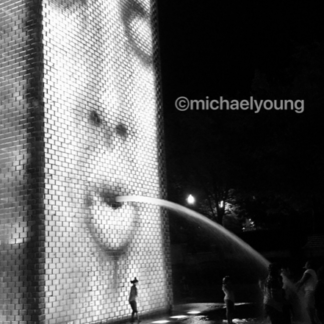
109 198
108 217
106 194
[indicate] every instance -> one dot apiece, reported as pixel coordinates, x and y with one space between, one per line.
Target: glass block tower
80 123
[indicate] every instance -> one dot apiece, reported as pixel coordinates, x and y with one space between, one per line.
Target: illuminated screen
80 125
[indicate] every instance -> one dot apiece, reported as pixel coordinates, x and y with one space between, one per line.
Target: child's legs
229 310
133 305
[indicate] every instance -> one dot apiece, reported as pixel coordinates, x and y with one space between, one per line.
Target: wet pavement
208 313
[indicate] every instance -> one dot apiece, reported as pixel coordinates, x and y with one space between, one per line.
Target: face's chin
111 224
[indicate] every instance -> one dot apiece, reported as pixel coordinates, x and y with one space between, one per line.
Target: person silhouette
308 283
228 290
274 296
133 300
319 295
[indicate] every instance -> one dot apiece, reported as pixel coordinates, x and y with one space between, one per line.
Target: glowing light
191 199
179 316
240 304
193 312
161 322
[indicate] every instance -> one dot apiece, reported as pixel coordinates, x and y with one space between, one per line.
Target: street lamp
191 199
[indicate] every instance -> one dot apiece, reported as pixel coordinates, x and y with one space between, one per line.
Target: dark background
214 47
270 163
237 49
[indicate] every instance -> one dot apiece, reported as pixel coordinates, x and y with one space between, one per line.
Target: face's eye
121 130
136 19
95 118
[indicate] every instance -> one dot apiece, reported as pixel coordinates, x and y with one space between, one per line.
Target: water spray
300 316
197 217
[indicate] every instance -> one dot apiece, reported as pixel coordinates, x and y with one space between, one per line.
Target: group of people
227 288
284 300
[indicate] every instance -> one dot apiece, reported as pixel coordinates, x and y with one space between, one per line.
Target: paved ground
208 313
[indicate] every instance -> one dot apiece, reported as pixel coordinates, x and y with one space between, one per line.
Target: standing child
133 300
274 296
228 298
319 295
308 283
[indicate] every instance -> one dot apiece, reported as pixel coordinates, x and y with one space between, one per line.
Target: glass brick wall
80 124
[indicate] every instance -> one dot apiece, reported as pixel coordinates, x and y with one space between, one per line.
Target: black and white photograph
161 161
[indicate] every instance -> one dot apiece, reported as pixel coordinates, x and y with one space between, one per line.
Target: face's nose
112 149
116 113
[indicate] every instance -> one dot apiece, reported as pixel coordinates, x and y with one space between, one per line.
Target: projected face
120 80
108 99
101 141
102 114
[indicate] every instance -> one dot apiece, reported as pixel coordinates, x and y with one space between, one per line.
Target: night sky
216 48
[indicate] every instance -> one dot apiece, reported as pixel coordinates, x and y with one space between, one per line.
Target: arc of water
198 217
301 317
